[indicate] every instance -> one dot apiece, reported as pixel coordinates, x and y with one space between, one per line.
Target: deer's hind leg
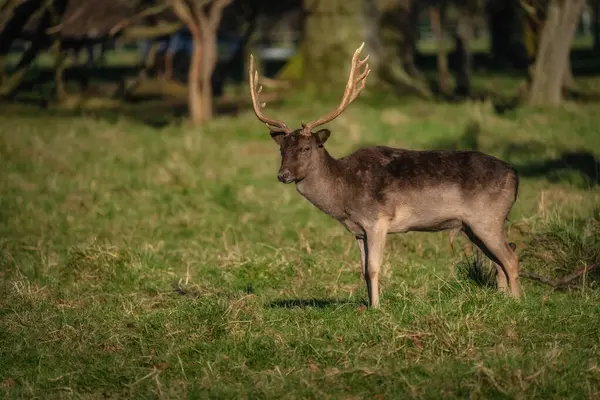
490 239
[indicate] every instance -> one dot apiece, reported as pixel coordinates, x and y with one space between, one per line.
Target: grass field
170 263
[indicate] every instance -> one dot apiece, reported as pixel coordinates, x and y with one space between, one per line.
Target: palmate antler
273 124
356 83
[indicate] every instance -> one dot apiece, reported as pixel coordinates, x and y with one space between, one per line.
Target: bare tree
202 18
552 59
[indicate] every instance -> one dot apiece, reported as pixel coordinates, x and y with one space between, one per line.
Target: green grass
170 263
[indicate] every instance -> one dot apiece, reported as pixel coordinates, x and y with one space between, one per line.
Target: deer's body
409 190
380 190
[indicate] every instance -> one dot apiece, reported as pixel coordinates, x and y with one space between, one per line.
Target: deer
378 190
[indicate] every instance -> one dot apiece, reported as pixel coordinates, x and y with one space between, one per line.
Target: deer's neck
324 185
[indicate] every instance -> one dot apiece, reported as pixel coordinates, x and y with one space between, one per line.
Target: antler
356 83
273 124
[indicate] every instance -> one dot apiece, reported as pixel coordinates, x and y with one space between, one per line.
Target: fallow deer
380 190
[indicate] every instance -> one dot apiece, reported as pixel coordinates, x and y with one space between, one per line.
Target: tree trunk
462 37
60 57
195 101
149 60
396 31
200 76
333 30
506 41
555 45
209 60
435 19
203 28
568 79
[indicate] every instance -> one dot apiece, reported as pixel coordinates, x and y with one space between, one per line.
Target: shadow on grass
312 303
580 168
477 268
155 113
584 62
583 162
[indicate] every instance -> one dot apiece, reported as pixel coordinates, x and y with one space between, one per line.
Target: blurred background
148 251
191 56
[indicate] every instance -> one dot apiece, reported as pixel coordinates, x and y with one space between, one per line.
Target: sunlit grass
145 262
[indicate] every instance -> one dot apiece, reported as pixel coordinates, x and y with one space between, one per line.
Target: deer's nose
284 176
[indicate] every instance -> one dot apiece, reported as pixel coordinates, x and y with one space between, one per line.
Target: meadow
167 262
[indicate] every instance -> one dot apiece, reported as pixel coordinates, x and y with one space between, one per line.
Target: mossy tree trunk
552 60
333 30
397 28
536 13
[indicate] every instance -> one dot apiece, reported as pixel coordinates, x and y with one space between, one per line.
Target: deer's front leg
360 241
375 244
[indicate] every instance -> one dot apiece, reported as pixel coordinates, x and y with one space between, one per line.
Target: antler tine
362 80
273 124
353 88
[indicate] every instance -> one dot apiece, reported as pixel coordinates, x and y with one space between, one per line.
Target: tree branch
6 11
564 282
149 12
12 83
215 13
197 8
185 14
27 12
58 27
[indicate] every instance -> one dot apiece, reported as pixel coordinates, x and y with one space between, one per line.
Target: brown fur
380 190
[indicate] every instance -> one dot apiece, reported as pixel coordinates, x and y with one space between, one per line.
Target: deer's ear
322 136
277 137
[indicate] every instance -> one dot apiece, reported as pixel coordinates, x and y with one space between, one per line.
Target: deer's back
411 168
442 184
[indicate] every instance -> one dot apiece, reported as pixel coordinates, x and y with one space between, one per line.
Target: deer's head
301 148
